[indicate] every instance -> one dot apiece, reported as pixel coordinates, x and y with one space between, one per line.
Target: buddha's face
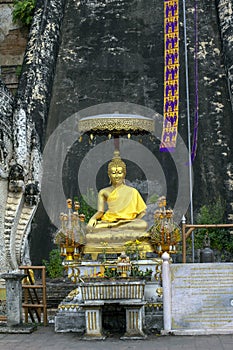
117 176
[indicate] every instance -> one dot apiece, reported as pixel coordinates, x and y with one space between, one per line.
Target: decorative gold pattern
73 294
68 307
112 290
116 123
158 306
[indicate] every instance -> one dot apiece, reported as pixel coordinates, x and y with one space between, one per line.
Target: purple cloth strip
171 76
196 116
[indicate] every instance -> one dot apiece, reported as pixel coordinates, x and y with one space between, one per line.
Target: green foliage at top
23 11
153 199
220 238
111 272
87 209
54 266
136 272
18 71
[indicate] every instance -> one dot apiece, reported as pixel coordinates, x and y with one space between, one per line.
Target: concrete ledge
197 331
24 329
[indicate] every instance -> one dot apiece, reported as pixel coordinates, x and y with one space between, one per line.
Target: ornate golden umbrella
116 125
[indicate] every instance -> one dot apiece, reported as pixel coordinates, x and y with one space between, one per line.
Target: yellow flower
128 243
137 242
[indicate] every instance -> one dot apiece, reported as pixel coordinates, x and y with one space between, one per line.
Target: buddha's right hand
92 222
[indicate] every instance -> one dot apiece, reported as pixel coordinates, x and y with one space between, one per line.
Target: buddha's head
116 170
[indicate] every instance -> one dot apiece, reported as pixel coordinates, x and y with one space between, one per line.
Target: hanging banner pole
196 117
188 127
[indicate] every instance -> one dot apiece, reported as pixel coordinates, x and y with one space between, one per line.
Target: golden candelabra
165 234
71 235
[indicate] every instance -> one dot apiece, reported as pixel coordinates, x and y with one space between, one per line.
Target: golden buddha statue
125 204
123 219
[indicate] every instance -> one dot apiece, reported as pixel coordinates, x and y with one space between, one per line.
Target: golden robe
124 203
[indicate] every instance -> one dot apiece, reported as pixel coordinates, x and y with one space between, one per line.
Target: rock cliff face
6 106
111 59
225 16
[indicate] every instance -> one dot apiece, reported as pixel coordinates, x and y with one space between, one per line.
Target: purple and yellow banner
171 76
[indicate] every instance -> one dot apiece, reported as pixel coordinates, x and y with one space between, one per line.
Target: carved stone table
129 294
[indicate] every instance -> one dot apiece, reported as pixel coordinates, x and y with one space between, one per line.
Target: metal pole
188 125
183 239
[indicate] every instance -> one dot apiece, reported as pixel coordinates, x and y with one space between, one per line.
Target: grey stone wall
113 51
212 167
34 92
225 10
116 54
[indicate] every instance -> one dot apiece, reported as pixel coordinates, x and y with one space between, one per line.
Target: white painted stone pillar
166 278
93 318
134 322
13 298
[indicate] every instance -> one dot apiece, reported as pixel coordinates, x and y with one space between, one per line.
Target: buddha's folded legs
136 224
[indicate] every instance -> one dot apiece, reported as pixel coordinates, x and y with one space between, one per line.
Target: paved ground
45 338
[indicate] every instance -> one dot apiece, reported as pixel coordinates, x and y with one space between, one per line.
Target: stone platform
94 301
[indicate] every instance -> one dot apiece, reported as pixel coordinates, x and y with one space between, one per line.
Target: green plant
54 266
18 71
153 199
104 250
133 248
136 272
220 239
111 272
23 11
86 209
